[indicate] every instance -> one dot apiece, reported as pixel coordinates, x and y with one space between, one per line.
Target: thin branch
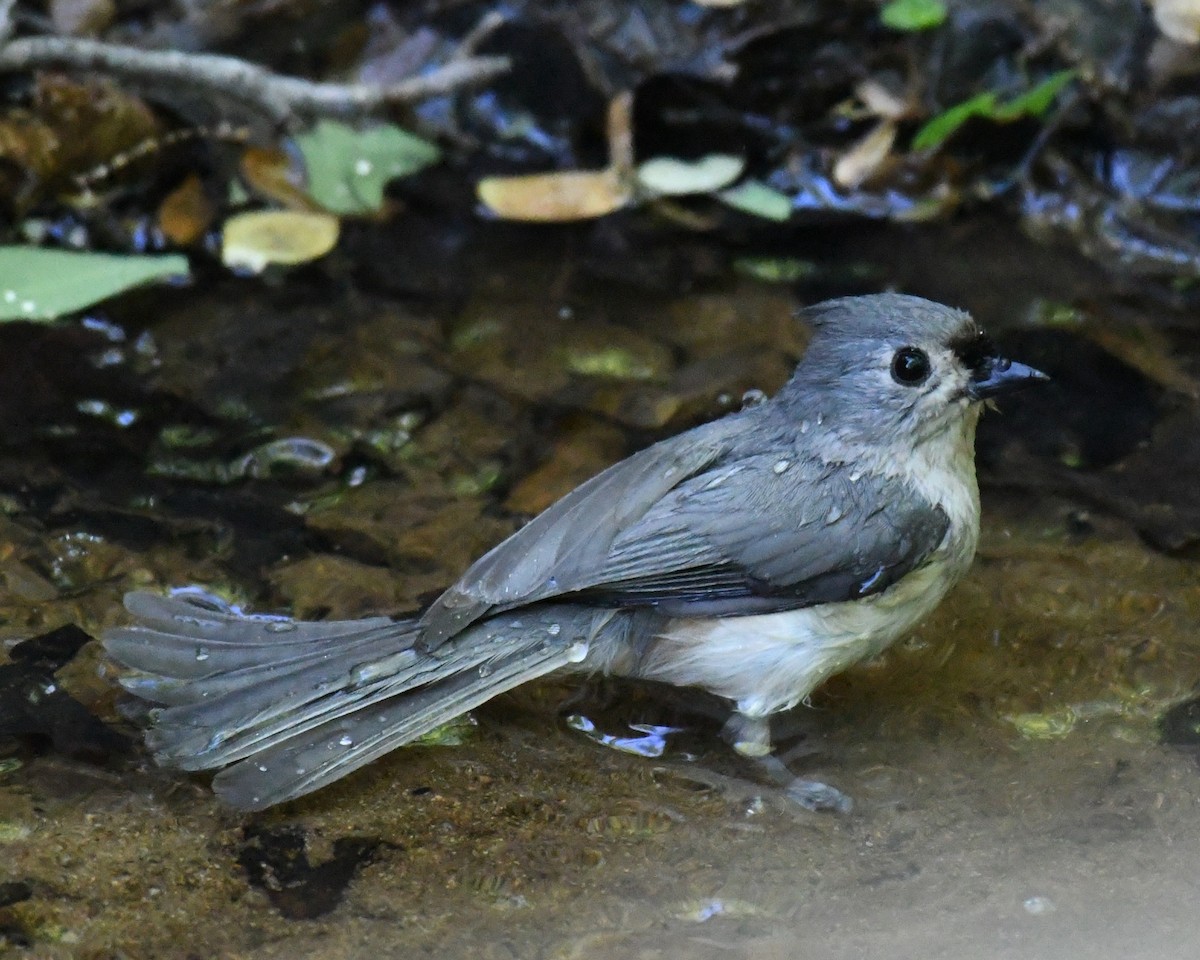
280 98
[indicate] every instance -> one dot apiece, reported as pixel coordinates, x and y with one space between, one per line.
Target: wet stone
276 861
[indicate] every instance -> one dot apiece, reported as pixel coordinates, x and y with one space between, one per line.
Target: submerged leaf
555 197
252 241
348 168
41 284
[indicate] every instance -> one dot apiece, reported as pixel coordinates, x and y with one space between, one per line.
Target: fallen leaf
254 240
863 160
759 200
348 168
555 197
672 177
55 282
883 102
186 212
271 174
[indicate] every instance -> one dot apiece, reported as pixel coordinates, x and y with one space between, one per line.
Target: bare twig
488 24
281 98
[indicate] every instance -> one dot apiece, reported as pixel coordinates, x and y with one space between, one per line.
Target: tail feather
295 705
328 751
190 614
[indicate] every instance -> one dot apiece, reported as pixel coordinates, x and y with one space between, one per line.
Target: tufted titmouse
753 556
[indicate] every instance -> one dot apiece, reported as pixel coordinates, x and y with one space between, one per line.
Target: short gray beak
996 375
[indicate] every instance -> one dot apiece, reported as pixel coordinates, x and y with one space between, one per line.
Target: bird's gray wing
561 550
765 533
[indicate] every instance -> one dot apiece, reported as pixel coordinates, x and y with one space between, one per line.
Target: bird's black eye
910 366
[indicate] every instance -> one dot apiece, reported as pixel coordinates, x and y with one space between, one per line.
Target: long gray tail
287 706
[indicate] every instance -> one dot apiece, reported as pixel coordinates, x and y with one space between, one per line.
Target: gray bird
753 556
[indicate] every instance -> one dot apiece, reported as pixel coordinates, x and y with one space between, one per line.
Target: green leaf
757 199
348 168
1034 102
938 130
41 284
913 14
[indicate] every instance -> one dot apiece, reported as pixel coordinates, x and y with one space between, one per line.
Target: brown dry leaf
270 173
555 197
186 213
863 160
254 240
570 194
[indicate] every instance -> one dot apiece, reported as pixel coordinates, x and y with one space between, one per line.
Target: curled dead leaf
864 159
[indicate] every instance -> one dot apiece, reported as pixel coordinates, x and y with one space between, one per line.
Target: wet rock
276 861
417 533
33 703
582 448
1180 725
328 585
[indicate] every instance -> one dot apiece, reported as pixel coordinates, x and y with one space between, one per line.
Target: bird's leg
751 738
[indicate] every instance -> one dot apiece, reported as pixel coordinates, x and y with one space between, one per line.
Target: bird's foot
751 737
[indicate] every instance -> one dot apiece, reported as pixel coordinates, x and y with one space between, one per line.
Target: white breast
771 662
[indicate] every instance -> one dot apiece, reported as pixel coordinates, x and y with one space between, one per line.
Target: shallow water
1012 798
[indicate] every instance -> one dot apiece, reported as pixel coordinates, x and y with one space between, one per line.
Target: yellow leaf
254 240
555 197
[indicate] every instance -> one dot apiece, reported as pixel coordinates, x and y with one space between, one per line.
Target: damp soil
1024 769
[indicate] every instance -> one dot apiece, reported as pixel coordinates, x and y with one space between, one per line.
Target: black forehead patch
972 347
